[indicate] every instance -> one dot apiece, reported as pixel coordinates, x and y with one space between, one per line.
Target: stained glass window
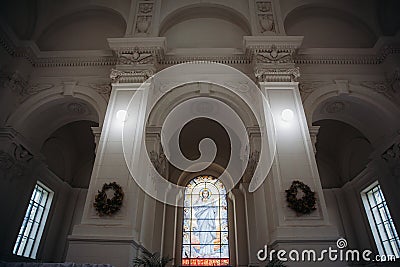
205 223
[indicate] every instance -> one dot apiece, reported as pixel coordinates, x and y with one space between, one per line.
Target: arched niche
200 26
86 29
324 26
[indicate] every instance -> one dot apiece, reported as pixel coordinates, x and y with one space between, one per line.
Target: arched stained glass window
205 223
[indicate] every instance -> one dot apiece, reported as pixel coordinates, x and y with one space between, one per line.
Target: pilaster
137 61
276 73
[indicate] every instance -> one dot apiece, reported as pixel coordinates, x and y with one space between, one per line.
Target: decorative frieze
106 58
136 57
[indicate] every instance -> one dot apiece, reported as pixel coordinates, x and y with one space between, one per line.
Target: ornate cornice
274 50
232 59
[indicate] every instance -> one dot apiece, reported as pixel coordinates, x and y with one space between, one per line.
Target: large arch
372 113
43 113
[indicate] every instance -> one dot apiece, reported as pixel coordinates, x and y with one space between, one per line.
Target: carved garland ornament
303 205
105 205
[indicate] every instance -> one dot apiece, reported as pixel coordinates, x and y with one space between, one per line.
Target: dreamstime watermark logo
201 74
339 253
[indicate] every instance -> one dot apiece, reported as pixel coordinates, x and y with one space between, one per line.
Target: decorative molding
39 59
231 59
307 87
104 89
272 57
277 74
377 86
136 58
132 76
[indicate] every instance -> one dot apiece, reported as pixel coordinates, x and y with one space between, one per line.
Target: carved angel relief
14 164
23 88
135 57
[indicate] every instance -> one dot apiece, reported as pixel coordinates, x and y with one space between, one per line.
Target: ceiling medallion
335 107
77 108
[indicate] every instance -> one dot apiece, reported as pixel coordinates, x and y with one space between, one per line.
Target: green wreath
304 205
105 205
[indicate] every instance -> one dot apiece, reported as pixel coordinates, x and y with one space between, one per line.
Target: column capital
272 57
137 58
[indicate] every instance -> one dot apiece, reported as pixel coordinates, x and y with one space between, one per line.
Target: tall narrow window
31 231
383 229
205 223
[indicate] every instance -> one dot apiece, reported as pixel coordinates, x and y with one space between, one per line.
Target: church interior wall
56 90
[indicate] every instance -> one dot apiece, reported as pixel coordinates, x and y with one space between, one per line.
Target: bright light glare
121 115
287 115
